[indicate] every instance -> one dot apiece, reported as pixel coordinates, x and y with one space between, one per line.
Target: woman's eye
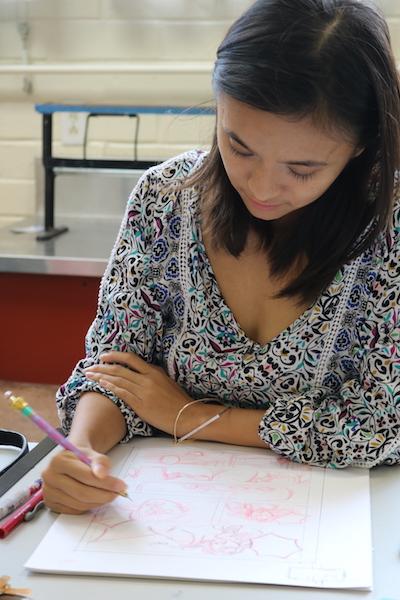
301 176
238 153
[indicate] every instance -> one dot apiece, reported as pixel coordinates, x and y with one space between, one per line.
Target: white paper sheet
209 511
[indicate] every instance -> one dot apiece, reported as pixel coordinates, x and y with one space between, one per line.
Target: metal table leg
49 230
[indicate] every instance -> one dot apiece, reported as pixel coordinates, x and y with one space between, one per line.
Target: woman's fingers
81 492
120 386
66 463
117 362
95 371
71 486
63 509
133 361
54 498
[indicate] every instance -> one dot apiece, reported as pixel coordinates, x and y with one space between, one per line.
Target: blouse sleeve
127 319
360 425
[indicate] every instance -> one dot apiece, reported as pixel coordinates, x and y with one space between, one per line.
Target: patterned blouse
329 384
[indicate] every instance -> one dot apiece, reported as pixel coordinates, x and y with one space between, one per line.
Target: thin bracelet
180 412
200 427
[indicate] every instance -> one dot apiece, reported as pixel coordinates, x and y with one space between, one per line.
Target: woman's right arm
98 423
70 486
126 319
93 418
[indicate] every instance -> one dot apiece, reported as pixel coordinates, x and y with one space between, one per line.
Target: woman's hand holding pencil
78 478
72 487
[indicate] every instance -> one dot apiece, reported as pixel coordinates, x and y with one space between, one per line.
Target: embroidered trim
327 349
183 276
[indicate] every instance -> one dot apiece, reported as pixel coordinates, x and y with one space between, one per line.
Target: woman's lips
263 205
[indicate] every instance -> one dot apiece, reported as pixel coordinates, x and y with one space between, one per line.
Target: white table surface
19 545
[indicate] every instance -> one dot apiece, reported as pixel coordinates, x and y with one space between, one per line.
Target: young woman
259 282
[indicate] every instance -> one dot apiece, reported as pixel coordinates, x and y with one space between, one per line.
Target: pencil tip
125 495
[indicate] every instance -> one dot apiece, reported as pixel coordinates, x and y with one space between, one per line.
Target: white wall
98 31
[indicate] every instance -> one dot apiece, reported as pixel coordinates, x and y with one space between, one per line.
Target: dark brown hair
331 59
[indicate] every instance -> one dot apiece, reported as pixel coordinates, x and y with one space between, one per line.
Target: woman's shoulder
176 169
157 197
159 190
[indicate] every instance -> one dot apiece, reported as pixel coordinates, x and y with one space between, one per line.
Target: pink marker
24 513
20 404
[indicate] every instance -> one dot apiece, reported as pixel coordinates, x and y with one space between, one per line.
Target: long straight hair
332 60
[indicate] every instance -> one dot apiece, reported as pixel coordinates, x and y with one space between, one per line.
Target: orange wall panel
44 320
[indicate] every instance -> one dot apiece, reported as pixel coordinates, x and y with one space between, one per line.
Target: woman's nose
262 185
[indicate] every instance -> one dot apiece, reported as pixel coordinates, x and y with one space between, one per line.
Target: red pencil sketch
268 476
149 511
281 488
219 459
202 472
205 475
190 502
227 540
272 493
233 540
265 514
187 457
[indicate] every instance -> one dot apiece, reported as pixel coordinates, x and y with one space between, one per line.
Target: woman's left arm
157 400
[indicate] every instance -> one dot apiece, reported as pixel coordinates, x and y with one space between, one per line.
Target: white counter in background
91 204
83 250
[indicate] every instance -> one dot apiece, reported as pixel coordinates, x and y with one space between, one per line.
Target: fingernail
90 375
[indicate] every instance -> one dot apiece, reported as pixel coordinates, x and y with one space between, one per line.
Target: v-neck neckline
241 334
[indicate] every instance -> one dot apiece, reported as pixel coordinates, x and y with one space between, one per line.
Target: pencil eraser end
18 403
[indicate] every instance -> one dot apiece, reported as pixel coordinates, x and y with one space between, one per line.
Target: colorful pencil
20 404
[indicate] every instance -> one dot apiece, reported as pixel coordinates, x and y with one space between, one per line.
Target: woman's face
277 165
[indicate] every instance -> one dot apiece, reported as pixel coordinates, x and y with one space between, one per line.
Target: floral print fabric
329 384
